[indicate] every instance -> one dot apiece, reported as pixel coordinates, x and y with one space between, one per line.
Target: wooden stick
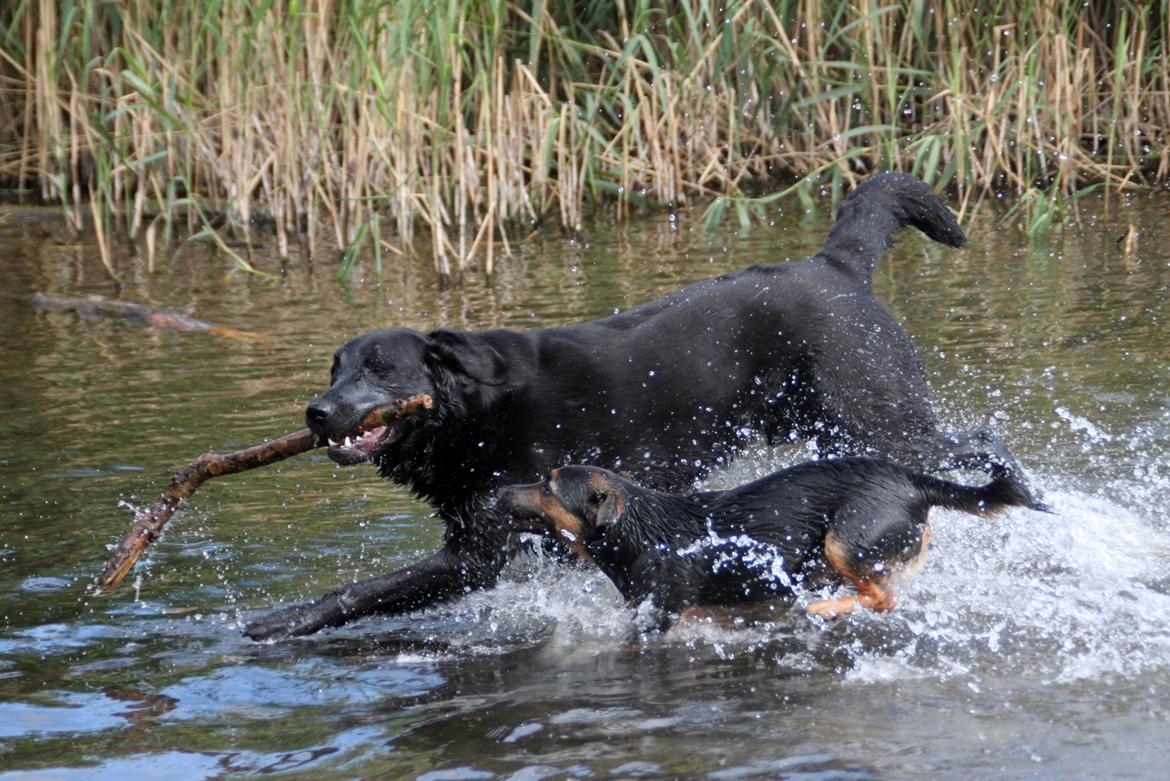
148 524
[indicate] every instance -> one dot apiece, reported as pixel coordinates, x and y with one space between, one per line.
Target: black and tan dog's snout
575 504
537 507
522 504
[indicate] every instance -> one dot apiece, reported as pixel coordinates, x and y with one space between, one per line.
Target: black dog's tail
998 495
871 214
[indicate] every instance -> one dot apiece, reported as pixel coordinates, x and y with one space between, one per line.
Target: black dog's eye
378 363
377 360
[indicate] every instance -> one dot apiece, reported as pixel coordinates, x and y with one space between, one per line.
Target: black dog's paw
283 624
268 627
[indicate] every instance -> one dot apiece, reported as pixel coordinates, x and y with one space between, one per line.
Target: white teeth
348 442
332 442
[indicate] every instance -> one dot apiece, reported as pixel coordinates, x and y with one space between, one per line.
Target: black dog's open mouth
361 447
376 430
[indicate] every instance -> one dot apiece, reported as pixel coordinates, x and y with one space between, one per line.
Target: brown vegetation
477 121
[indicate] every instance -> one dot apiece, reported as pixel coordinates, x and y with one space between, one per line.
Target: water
1032 646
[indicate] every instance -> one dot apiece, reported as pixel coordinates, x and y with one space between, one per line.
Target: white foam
1064 596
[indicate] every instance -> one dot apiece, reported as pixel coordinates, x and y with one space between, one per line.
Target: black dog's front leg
437 578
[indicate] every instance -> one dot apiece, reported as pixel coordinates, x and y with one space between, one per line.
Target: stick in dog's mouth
148 523
355 449
375 430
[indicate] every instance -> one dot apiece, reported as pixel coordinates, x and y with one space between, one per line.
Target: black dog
863 520
664 390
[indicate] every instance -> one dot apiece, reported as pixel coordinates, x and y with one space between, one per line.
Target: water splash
1077 595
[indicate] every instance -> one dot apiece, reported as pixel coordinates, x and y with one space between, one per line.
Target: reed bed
370 125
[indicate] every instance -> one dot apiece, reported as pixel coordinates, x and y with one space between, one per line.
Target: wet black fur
663 390
752 543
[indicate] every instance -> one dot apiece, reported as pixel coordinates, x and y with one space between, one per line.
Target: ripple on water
180 764
266 692
464 773
810 766
523 731
45 583
56 638
73 713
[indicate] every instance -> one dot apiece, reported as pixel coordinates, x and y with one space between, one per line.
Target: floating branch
149 316
148 524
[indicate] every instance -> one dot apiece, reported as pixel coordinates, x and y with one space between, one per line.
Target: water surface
1033 646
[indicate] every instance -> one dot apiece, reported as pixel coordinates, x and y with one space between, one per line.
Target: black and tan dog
666 390
857 520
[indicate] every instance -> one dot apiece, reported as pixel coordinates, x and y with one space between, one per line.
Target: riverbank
362 125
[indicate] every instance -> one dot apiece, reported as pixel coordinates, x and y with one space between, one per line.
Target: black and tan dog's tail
994 497
872 213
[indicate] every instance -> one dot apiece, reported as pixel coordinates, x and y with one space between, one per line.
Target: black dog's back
780 349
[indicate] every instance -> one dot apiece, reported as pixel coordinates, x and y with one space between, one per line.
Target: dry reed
365 120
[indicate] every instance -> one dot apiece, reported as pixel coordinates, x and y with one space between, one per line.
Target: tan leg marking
829 609
915 565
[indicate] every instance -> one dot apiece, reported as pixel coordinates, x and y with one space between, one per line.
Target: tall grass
354 122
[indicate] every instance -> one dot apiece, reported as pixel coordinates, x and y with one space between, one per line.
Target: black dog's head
574 503
386 367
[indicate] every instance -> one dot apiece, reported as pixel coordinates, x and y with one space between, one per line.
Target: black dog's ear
468 354
611 509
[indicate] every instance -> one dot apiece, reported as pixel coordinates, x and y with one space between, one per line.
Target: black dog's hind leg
439 577
978 448
909 436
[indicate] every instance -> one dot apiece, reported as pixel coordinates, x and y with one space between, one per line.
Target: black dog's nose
319 411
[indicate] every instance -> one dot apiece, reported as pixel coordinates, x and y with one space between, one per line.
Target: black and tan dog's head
390 366
574 503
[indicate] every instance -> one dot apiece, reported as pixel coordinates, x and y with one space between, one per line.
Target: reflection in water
1031 646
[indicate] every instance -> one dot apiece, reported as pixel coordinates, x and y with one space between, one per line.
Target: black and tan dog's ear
467 354
610 510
